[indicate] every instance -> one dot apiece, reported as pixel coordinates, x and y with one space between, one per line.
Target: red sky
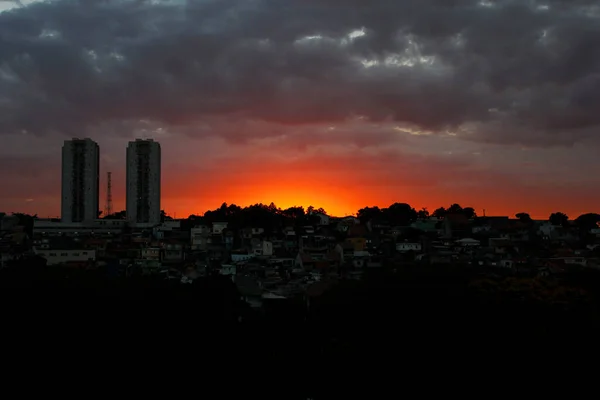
424 171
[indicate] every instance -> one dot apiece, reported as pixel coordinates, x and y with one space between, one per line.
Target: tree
273 208
164 217
455 209
400 214
559 219
423 213
368 213
587 222
26 221
469 212
524 217
440 213
293 213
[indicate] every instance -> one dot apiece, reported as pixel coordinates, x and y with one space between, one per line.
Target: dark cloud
500 71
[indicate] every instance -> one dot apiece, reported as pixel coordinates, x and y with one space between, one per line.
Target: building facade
143 182
80 180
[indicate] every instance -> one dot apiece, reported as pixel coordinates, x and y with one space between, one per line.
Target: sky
338 104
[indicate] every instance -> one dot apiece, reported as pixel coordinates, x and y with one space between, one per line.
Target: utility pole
108 207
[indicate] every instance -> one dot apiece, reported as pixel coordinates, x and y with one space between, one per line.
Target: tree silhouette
469 212
164 217
368 213
423 213
587 222
26 221
440 212
400 214
293 213
524 217
559 219
455 209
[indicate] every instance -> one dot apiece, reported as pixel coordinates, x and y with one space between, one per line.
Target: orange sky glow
340 180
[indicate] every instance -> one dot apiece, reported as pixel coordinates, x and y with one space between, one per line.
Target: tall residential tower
80 180
143 182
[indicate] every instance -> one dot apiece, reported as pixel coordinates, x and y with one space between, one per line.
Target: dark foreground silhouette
409 323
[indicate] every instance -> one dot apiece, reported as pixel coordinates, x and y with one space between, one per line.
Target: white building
143 182
80 180
218 227
50 227
405 247
60 256
265 248
323 219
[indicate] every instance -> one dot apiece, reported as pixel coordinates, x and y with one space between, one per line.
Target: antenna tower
108 207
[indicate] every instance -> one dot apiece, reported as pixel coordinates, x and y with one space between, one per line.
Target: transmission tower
108 207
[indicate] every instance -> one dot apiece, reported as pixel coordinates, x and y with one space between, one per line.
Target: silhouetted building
143 182
80 180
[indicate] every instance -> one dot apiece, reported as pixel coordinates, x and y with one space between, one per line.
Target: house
8 222
468 242
404 247
228 270
357 231
150 253
166 227
218 227
241 257
570 261
62 256
426 225
228 238
55 227
456 225
305 261
360 259
546 230
344 224
173 252
264 248
322 219
500 245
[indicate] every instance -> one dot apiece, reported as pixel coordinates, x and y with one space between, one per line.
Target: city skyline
80 181
490 104
118 167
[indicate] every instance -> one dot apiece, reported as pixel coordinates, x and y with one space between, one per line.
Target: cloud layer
498 71
426 101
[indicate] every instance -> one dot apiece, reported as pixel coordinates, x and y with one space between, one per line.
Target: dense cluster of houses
305 259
